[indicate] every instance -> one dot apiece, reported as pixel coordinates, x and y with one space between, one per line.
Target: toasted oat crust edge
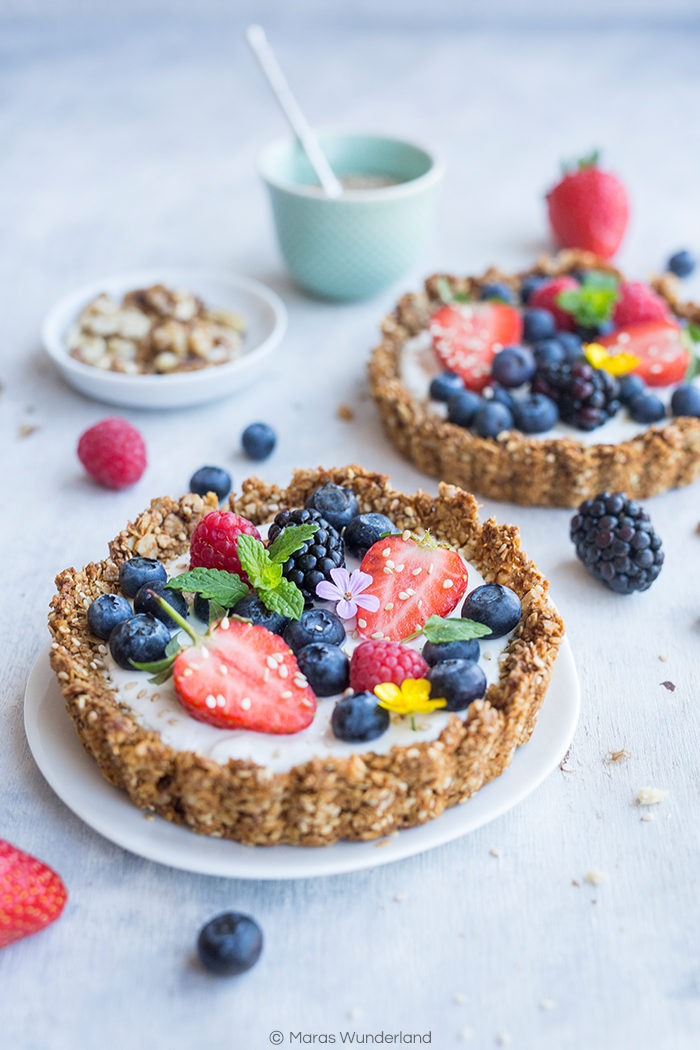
324 800
553 473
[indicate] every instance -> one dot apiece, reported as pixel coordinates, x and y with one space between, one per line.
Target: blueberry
530 284
258 440
359 718
230 944
630 387
251 607
445 385
502 396
571 343
211 479
106 612
142 639
538 324
686 400
497 290
315 625
682 264
492 418
646 408
144 602
201 608
364 531
457 681
462 407
137 571
590 332
326 667
549 352
535 414
338 505
495 606
513 366
437 652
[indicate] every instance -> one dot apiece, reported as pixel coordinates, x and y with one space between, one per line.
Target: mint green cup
354 246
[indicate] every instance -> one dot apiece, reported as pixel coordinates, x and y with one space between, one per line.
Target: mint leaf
223 587
593 302
289 541
252 555
216 612
694 331
690 336
438 629
286 599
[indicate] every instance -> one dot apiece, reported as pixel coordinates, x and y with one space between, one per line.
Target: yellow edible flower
410 698
615 364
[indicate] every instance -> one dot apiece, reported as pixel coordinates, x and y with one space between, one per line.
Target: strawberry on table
467 337
588 209
659 348
413 579
31 894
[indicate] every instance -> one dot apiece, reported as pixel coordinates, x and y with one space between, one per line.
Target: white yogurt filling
156 707
420 364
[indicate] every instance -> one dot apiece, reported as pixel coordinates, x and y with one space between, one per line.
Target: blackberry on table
617 543
314 560
587 397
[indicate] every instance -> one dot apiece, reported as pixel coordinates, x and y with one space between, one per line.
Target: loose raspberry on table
374 662
113 453
215 541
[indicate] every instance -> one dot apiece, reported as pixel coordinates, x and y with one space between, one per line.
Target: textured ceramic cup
356 245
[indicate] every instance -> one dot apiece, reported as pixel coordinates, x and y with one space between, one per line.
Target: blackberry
312 562
586 396
616 542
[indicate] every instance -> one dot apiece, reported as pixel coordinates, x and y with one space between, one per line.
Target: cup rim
381 193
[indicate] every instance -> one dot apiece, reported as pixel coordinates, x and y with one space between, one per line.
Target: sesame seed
377 634
390 564
420 602
223 669
221 701
447 584
271 663
305 702
246 702
282 671
388 606
156 696
403 596
140 695
401 896
131 685
318 627
362 623
387 570
431 567
279 657
416 572
205 653
266 674
406 534
409 590
194 667
400 568
286 694
300 683
386 553
210 701
224 623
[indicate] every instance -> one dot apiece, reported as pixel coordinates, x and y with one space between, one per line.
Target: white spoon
255 35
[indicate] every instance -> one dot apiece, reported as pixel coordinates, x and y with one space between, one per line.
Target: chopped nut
651 796
618 756
345 413
595 877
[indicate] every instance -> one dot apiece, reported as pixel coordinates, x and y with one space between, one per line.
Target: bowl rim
54 344
383 193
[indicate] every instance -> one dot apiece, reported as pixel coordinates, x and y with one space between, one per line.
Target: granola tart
322 801
550 471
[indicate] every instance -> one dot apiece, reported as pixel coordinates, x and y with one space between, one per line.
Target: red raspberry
113 453
544 298
637 304
215 539
374 662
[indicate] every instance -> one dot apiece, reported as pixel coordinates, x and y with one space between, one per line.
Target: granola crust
324 800
551 473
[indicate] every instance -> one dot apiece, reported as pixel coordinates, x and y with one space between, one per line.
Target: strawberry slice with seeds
467 337
658 346
413 580
242 676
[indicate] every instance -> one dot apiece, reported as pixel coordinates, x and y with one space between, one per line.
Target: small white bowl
266 322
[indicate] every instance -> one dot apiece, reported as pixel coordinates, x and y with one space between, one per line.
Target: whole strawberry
589 209
31 894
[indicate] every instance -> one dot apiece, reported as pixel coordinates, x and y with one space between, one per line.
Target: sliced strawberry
413 579
31 894
244 677
663 357
545 298
467 337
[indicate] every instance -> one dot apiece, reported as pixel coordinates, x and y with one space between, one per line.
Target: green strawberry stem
179 620
413 722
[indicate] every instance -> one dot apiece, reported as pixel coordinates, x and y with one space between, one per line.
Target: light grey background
131 140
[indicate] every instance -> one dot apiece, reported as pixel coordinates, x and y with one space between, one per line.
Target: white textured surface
127 147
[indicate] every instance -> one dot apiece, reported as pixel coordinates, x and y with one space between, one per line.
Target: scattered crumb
647 816
504 1039
495 852
663 659
25 430
460 998
670 686
149 816
650 796
574 882
401 896
382 842
547 1004
486 655
465 1034
595 877
354 1012
623 755
566 768
462 935
346 413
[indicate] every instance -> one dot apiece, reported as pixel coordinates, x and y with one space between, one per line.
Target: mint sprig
225 588
264 568
452 629
447 295
592 303
289 541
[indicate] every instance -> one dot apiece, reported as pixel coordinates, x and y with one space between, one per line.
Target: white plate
76 779
266 323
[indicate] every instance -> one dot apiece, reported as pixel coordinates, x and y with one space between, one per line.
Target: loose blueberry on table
230 944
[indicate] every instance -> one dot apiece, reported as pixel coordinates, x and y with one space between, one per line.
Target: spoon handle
257 40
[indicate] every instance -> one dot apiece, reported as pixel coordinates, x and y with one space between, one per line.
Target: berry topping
495 606
571 343
31 894
498 290
113 453
413 579
445 385
467 336
359 718
529 285
137 571
377 661
230 944
314 625
585 396
464 649
146 601
459 682
364 531
658 347
244 677
258 441
588 209
538 323
140 640
637 303
630 386
545 298
337 505
462 407
211 479
682 264
251 607
106 612
313 561
215 539
513 366
616 542
685 401
646 408
325 666
492 418
535 414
